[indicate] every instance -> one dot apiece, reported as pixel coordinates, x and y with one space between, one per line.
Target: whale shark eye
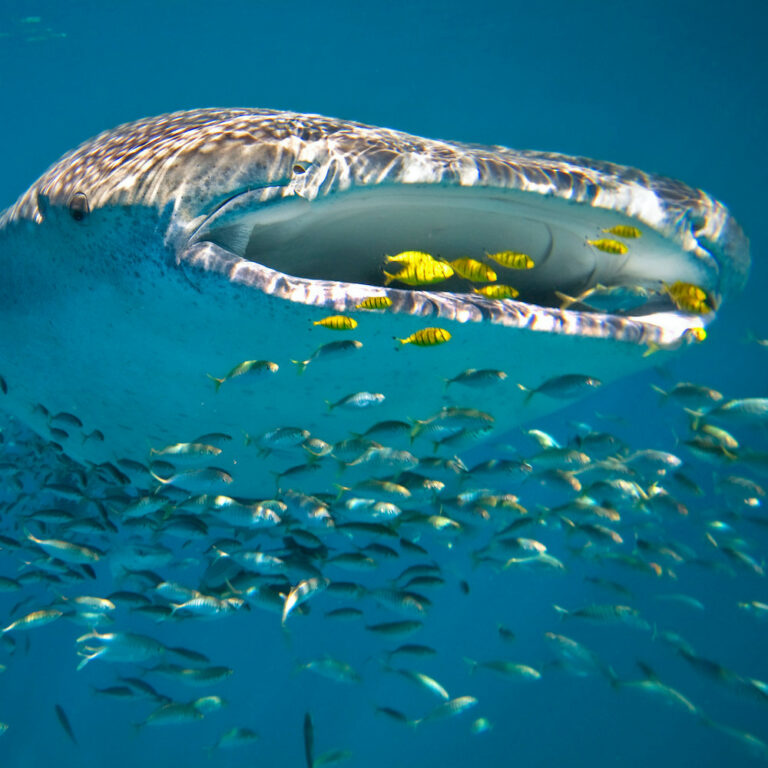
78 206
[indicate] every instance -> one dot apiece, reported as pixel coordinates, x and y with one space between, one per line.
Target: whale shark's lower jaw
331 254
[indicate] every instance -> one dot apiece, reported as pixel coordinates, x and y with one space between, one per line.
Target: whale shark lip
331 253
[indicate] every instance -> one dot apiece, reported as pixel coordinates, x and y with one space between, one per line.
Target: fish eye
78 206
298 168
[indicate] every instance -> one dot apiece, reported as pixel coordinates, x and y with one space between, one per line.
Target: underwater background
676 88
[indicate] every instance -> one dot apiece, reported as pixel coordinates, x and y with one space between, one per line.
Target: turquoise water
674 88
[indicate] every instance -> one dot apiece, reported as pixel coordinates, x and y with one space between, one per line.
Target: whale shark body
160 255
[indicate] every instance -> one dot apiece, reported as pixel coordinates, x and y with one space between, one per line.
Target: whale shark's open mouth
339 245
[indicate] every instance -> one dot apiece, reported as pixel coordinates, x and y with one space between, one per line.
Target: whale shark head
150 262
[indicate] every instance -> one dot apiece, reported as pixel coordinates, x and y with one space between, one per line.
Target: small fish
329 351
301 593
172 713
608 298
117 647
427 337
624 230
34 619
424 681
564 387
473 270
337 323
688 297
497 291
690 395
186 451
357 400
512 259
234 737
448 709
472 377
424 272
64 721
624 614
404 627
394 714
481 725
375 302
608 246
279 439
332 669
410 257
506 669
332 757
251 367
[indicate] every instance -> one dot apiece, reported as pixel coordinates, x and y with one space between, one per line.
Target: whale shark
149 262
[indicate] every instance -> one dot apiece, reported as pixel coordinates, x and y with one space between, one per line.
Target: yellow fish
337 323
624 230
608 246
497 291
421 273
410 257
375 302
512 259
688 297
427 337
473 270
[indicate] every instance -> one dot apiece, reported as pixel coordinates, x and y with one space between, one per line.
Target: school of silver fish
406 522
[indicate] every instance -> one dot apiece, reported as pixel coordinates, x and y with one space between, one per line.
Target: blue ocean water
670 87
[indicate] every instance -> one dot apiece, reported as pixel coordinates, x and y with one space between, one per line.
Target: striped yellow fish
624 230
512 259
427 337
473 270
375 302
498 291
337 323
421 273
688 297
608 246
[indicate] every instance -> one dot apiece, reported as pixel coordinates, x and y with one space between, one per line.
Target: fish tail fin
415 723
160 479
85 660
529 395
613 678
330 405
561 612
342 489
472 665
651 349
301 365
662 394
696 418
216 381
565 299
